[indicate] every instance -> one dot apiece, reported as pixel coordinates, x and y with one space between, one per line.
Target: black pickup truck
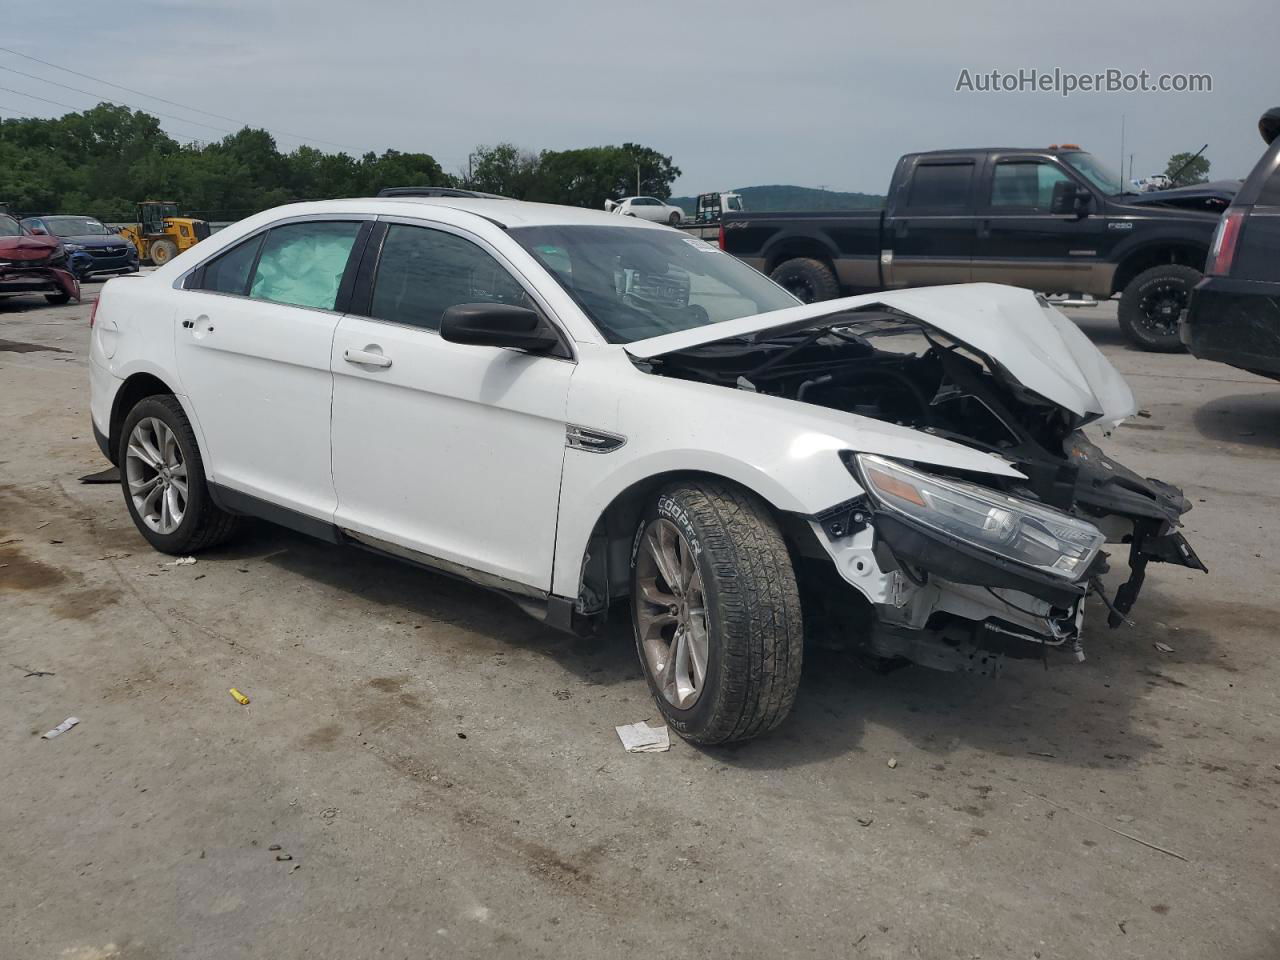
1053 220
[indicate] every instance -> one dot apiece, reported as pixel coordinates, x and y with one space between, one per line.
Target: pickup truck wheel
810 280
1153 303
716 612
162 476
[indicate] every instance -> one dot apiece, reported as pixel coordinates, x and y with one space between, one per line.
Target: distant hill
781 197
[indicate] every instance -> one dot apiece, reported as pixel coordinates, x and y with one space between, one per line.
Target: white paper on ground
642 738
63 727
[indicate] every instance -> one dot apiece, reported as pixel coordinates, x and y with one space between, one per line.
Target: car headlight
73 247
1016 529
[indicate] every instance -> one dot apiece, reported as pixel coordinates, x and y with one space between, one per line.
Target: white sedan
646 208
579 410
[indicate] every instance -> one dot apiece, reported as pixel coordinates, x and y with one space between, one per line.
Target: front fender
786 452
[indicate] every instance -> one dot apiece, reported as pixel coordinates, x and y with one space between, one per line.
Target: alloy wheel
1163 306
671 613
156 475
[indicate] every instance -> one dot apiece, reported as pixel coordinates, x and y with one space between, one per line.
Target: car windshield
1095 171
635 283
9 227
75 227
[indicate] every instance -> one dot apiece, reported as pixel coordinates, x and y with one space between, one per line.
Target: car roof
505 213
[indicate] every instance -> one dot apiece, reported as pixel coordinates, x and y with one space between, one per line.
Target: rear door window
301 264
229 272
941 186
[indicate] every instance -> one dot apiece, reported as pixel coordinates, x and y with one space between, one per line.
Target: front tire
58 299
809 280
1152 305
162 251
716 612
162 477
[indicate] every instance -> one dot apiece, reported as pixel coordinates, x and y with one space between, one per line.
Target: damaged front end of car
29 266
957 569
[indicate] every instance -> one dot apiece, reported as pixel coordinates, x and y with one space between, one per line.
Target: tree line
100 162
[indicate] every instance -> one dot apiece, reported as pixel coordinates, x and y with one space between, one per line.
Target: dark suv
1234 316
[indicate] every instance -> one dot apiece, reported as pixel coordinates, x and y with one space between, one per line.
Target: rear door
929 237
446 450
1020 242
253 342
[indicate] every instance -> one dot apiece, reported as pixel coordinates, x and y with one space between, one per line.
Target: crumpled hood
27 247
1030 343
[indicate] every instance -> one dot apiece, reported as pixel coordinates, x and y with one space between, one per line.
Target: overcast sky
739 93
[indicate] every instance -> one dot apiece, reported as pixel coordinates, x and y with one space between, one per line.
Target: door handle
900 229
366 358
984 229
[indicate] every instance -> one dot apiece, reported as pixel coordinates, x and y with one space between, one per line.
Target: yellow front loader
160 234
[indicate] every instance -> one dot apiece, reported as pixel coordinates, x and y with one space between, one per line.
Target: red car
30 264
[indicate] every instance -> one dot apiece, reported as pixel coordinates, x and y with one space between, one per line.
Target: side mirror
1070 200
38 231
497 325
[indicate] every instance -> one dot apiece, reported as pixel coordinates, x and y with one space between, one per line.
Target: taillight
720 238
1225 239
93 311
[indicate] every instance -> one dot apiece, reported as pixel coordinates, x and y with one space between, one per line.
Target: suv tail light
1225 239
93 311
720 238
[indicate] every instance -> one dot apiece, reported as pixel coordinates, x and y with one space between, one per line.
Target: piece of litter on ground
1164 648
1041 753
283 857
642 738
865 821
893 762
28 672
61 728
42 524
182 562
240 697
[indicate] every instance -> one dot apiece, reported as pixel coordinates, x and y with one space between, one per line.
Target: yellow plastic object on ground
240 697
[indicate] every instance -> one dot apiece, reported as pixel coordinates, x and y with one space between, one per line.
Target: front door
448 451
253 343
1020 242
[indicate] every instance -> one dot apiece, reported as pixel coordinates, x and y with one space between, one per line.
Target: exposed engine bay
939 598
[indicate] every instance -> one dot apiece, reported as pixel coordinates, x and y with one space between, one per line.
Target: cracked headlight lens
1029 533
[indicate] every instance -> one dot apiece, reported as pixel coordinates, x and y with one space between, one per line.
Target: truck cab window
941 186
1025 184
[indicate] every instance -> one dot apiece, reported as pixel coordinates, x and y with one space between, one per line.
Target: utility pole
1122 144
637 179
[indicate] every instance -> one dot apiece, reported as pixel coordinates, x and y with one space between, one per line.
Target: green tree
1192 170
503 169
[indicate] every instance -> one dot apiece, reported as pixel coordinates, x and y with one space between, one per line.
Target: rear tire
1152 305
162 251
735 574
674 219
202 523
810 280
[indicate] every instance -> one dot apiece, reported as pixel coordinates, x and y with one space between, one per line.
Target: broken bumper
944 602
18 280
